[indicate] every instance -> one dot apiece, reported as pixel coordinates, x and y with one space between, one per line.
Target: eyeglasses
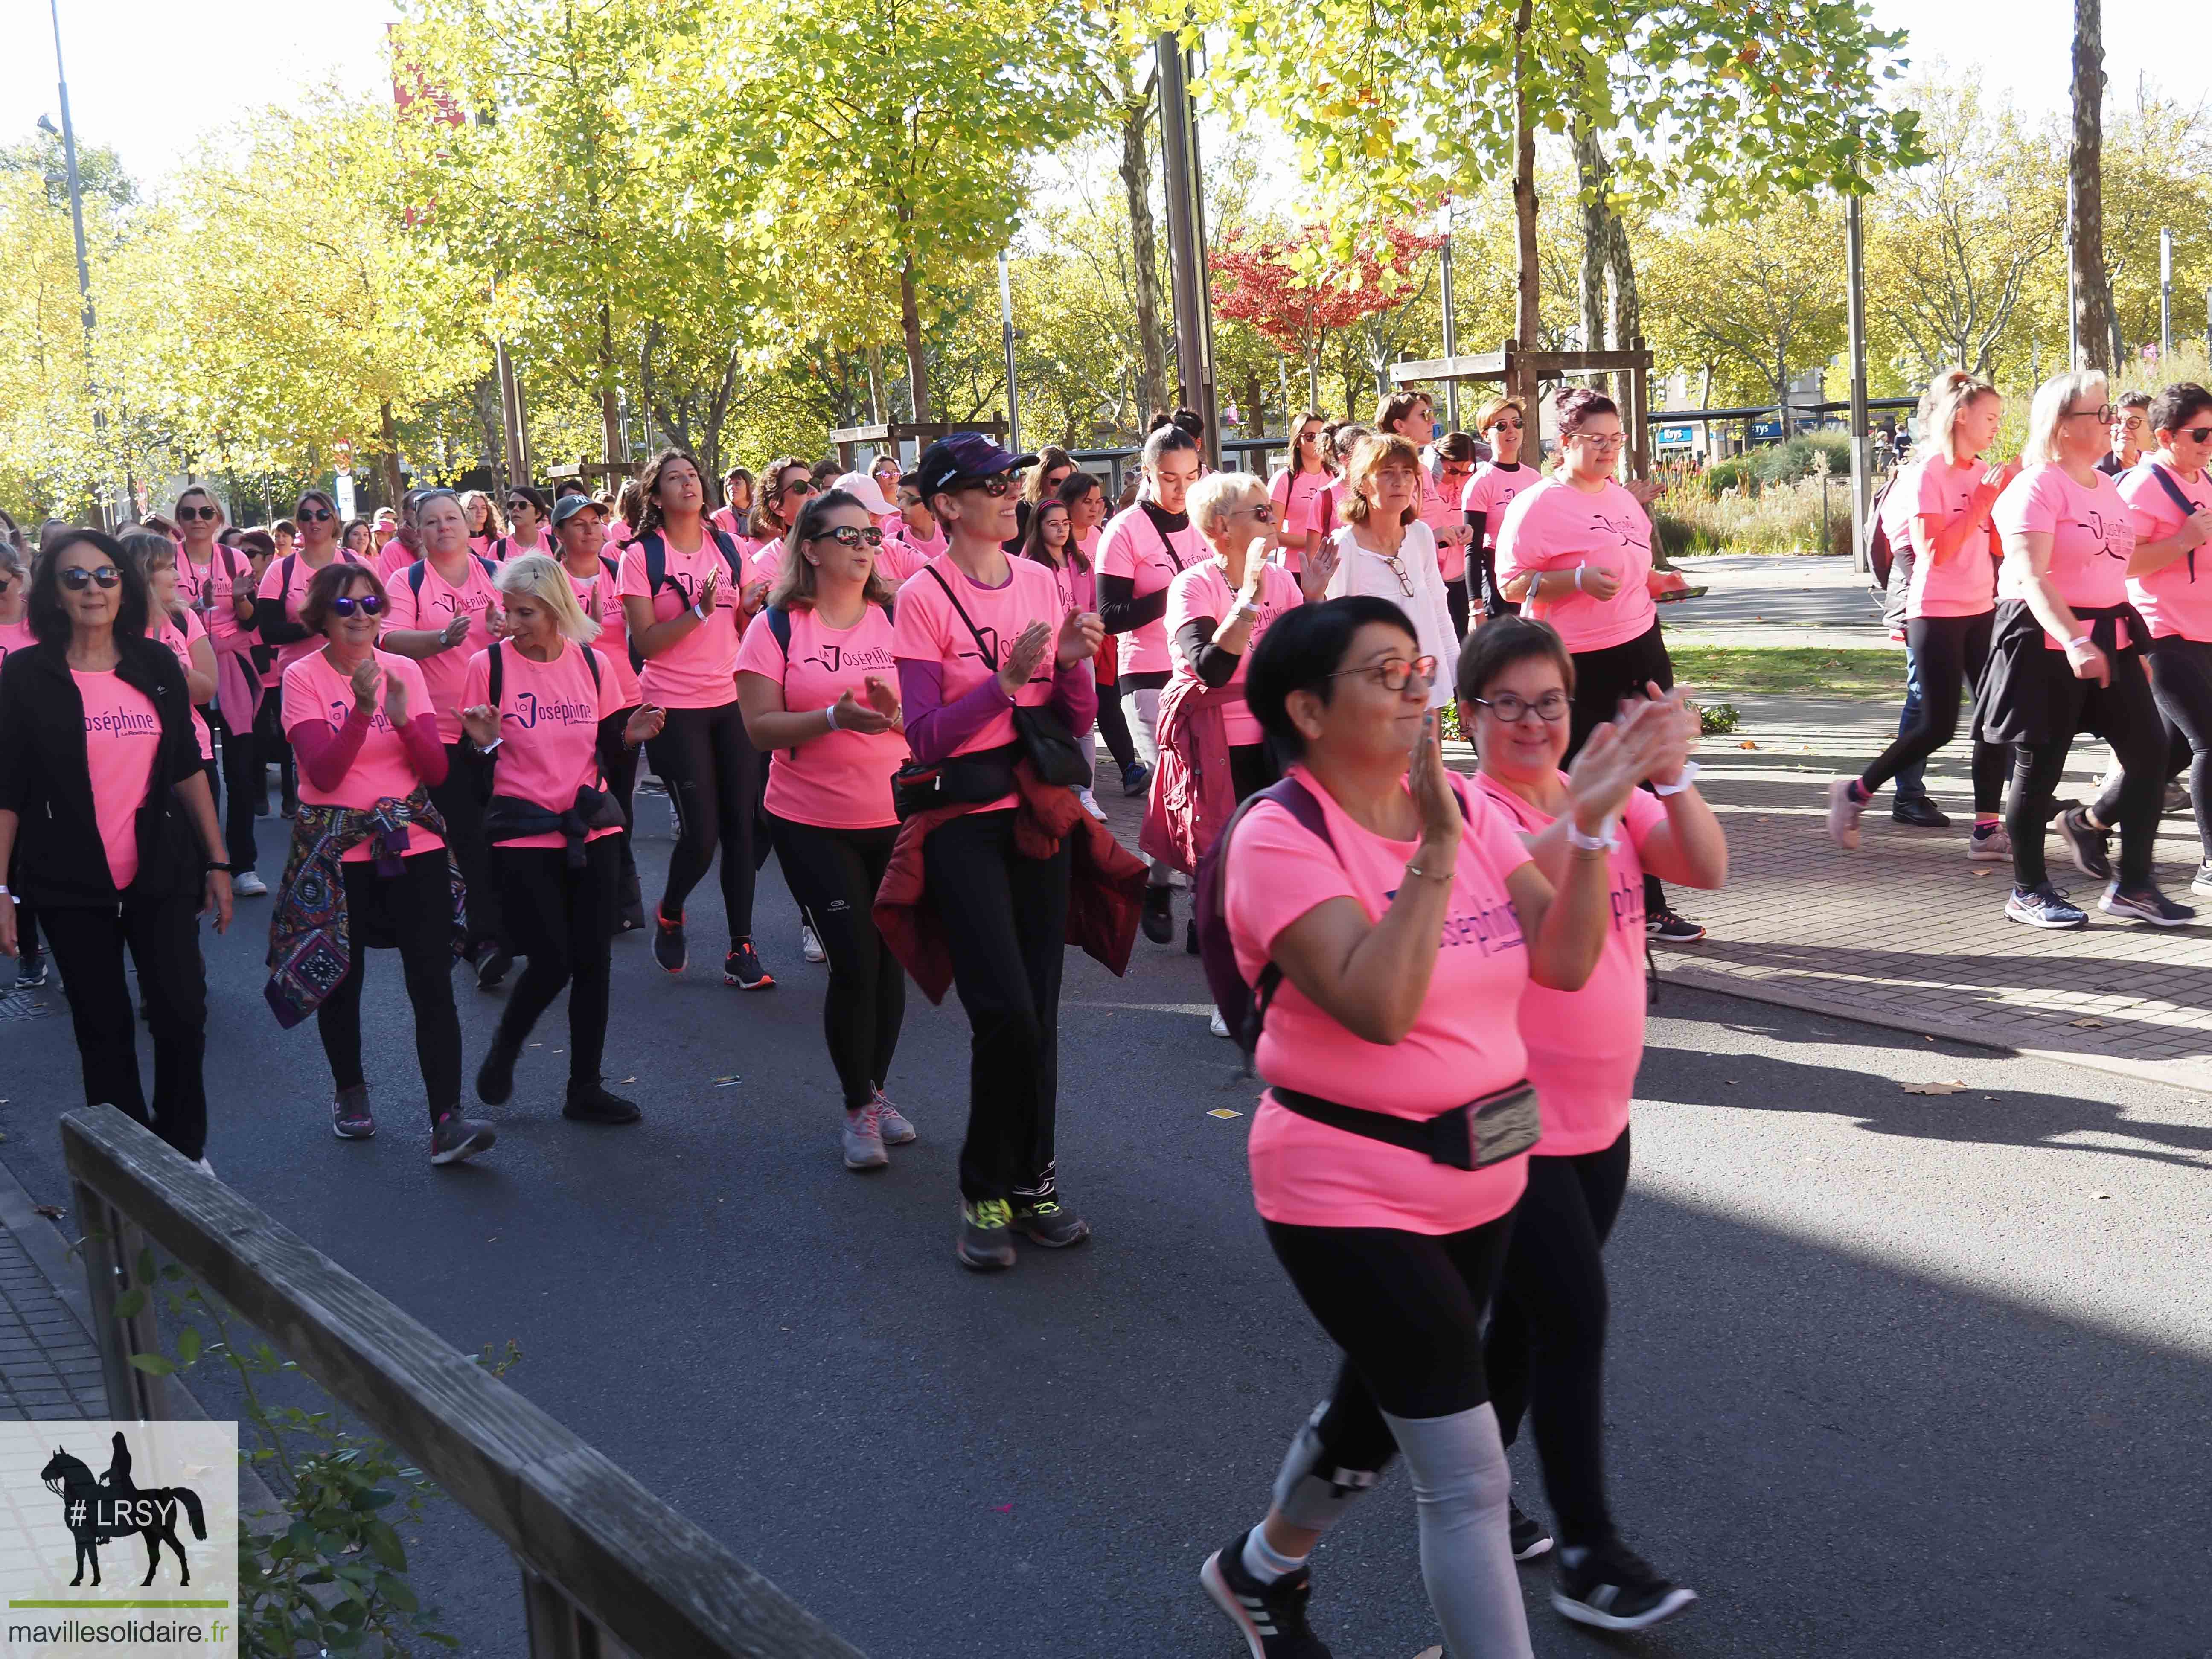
77 578
2102 415
1599 440
847 536
997 484
1392 672
186 514
1512 710
369 604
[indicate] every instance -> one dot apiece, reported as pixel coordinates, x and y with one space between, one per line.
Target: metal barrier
1247 450
609 1572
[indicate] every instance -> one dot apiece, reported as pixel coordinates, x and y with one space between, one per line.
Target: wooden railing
608 1570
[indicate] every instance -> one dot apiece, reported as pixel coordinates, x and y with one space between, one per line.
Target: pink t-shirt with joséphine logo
433 608
696 671
1552 525
548 721
1204 591
2178 598
840 779
381 770
928 629
122 740
2092 536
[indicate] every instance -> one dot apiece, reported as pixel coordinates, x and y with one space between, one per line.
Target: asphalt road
1890 1373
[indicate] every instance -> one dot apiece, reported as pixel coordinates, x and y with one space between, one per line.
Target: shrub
1801 457
1783 518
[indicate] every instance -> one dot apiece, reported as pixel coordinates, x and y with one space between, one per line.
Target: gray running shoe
896 1130
864 1140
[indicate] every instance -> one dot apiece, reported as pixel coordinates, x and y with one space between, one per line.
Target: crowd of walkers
895 682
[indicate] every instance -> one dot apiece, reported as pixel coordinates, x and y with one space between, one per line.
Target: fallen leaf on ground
1933 1088
2100 1195
2087 1025
1746 743
51 1211
1222 1111
1978 872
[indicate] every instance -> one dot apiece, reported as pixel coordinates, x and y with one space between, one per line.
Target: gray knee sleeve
1461 1485
1311 1490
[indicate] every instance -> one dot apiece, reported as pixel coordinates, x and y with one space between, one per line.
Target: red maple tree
1300 289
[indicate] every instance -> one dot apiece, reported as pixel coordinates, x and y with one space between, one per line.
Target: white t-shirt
1411 581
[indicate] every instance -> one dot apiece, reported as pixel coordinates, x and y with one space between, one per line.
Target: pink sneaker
1844 809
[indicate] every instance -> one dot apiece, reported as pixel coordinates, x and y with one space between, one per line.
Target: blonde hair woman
1501 425
1385 549
2068 656
543 706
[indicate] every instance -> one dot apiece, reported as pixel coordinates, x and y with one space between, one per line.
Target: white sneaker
810 944
1218 1025
248 885
1844 814
1990 846
1090 804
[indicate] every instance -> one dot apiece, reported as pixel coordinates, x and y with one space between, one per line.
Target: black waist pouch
1481 1133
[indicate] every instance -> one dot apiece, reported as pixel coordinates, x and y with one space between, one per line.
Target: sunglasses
845 536
369 605
803 486
522 507
2197 435
1394 672
315 514
1261 513
77 578
1512 422
186 514
998 484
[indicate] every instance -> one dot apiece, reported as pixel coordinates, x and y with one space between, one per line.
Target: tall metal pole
76 226
1006 338
1862 457
2164 296
1451 332
1186 255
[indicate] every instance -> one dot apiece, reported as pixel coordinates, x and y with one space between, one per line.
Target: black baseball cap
569 506
965 455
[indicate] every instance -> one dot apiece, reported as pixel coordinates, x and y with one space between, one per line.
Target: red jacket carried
1106 884
1193 793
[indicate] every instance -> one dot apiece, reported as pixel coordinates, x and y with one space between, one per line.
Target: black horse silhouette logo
98 1511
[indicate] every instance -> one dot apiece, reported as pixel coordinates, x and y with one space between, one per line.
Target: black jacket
44 779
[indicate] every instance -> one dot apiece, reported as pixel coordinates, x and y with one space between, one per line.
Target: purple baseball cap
965 455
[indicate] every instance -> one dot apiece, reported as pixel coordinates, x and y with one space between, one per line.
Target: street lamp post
1451 334
1862 460
2164 296
76 226
1006 338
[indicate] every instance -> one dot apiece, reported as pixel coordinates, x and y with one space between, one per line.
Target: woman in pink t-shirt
1293 490
529 526
355 539
1489 493
2066 655
1546 1348
2170 495
978 635
1454 464
684 620
1405 919
1085 498
106 821
1949 605
173 624
914 540
360 721
819 685
484 525
786 482
543 709
580 533
1411 415
736 512
275 619
1049 540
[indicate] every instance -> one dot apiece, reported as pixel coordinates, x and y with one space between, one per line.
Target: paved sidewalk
48 1366
1906 933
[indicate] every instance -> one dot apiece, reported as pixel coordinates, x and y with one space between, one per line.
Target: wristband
829 713
207 868
1603 841
486 749
699 612
1578 579
2081 639
1689 776
1428 875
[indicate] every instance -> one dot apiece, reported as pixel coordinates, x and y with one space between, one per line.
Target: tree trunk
917 364
1144 251
610 432
1589 168
1528 276
391 430
2093 299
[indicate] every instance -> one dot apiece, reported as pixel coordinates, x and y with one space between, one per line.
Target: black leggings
2181 685
715 778
1602 678
1947 654
1546 1352
563 920
270 745
835 874
461 801
1114 728
241 790
163 935
619 764
2128 719
1006 925
1407 1308
414 909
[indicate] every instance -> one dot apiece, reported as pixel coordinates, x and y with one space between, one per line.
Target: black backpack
1880 554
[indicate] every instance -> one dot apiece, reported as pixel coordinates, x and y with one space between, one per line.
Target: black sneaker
1190 937
456 1137
668 943
1920 812
350 1117
492 963
741 968
1159 915
1611 1588
1530 1539
1042 1221
2145 903
31 971
590 1102
1670 929
1272 1617
1136 777
2092 847
983 1243
495 1077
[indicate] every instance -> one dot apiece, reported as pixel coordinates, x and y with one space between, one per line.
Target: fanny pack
1482 1132
1038 732
956 780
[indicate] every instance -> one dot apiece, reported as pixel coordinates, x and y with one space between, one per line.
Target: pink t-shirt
1964 585
178 637
17 637
1553 526
904 553
696 672
1133 546
313 691
1077 585
1465 1043
600 596
1442 516
295 594
841 780
2092 535
928 629
439 604
212 586
1204 591
1294 496
549 716
1491 491
1585 1046
510 547
2173 600
389 562
122 739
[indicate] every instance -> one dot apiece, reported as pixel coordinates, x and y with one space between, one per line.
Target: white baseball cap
865 490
